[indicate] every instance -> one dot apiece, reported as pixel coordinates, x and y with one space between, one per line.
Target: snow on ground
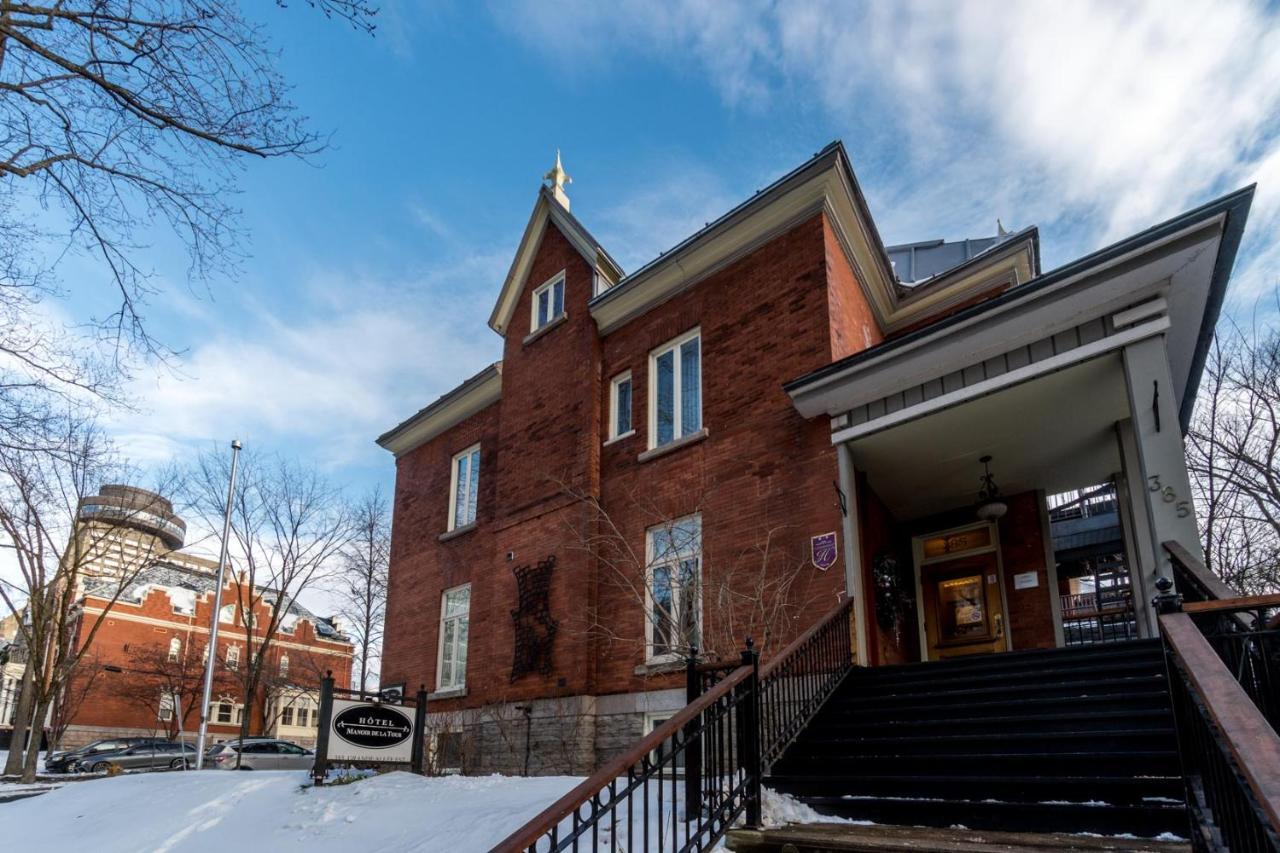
215 811
4 757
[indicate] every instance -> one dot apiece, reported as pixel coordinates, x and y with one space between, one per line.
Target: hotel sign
823 551
364 731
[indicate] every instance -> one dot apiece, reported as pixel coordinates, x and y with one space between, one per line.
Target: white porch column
1155 463
853 585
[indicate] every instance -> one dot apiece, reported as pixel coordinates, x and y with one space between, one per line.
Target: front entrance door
963 614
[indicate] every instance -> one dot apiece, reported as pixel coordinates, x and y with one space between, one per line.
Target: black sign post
420 732
371 723
322 734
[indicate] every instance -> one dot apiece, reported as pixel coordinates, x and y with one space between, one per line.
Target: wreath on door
894 593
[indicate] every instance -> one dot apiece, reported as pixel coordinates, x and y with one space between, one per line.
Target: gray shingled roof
164 574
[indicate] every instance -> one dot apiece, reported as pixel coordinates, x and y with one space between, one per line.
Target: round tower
139 509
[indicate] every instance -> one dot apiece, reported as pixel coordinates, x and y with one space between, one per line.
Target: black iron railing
682 786
1240 632
1230 752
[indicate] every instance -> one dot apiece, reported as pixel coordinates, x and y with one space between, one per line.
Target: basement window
548 302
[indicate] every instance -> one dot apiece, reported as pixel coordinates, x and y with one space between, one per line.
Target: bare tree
125 113
692 595
288 527
361 584
56 553
166 685
1233 454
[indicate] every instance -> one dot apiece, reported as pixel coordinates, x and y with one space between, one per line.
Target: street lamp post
211 658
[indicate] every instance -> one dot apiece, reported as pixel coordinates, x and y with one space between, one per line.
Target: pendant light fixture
990 506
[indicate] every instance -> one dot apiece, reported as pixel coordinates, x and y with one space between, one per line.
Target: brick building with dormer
778 412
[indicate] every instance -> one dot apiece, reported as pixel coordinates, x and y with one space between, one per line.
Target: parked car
143 756
260 755
65 761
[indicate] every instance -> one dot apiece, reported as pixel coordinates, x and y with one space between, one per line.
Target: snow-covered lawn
217 811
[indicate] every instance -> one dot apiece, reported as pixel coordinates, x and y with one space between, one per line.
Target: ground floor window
455 614
674 617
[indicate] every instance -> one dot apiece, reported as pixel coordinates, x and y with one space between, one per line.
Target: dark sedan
143 756
65 762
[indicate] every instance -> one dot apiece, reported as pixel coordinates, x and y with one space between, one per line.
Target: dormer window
548 302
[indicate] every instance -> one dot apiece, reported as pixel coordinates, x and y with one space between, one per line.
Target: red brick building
775 413
144 669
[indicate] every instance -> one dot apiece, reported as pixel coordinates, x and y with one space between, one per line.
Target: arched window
227 615
175 649
284 665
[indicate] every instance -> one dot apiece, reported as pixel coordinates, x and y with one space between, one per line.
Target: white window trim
558 278
232 661
673 344
175 649
666 657
456 685
453 488
614 435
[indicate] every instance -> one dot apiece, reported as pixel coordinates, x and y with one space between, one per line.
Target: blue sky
373 269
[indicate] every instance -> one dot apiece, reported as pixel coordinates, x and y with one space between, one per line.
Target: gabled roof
547 209
1231 210
824 184
453 407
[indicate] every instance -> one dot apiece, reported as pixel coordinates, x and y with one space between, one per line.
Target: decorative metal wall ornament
990 506
895 593
534 628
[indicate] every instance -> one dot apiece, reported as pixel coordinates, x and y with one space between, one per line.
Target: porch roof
1194 305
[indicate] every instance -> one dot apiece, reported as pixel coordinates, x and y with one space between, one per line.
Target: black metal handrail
681 787
1240 631
1229 751
795 684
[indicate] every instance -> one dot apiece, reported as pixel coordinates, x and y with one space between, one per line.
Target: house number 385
1169 496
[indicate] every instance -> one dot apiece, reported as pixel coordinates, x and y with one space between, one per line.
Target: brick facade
117 687
552 485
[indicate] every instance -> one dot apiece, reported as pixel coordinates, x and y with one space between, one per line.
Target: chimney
558 178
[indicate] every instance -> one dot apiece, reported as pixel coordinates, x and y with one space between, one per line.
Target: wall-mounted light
990 506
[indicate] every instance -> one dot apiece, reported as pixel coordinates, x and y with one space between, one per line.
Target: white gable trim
544 211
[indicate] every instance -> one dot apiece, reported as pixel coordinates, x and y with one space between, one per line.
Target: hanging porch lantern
990 506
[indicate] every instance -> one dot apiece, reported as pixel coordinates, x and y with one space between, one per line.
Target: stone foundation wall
570 736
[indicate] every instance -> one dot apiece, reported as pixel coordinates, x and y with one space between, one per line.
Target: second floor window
175 649
620 405
233 657
675 389
455 616
548 302
284 666
463 487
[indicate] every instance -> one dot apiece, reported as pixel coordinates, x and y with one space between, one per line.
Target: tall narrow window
675 389
463 487
674 620
233 657
455 614
166 706
548 302
175 649
620 405
284 666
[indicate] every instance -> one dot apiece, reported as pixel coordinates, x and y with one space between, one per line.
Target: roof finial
558 178
1000 232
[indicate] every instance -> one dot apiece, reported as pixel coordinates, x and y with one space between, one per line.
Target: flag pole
211 651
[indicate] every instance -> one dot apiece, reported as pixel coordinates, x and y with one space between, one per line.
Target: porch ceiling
1054 432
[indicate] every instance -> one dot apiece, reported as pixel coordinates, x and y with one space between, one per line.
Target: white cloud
351 359
1093 119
